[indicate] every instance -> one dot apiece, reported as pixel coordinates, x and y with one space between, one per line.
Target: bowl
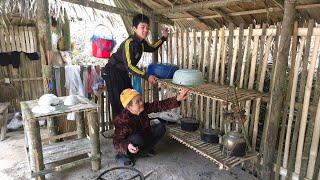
48 100
71 100
189 124
162 71
188 77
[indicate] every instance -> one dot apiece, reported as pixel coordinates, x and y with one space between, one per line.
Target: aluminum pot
210 135
234 144
189 124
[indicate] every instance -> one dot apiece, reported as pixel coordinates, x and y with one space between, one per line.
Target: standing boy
125 61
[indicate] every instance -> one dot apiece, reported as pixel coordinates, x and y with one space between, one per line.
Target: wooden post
35 146
94 140
44 35
66 33
80 124
278 89
155 36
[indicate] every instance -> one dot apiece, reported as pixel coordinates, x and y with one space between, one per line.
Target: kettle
234 144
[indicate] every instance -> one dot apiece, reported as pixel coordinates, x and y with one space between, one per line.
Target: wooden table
3 119
41 155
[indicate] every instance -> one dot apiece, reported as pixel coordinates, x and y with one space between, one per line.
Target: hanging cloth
73 84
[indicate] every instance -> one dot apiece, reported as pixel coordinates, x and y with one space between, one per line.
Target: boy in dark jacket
133 132
125 61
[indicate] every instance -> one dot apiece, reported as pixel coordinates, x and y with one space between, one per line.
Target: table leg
94 140
4 125
35 147
80 124
52 128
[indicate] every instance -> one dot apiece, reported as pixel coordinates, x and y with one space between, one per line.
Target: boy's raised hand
152 79
165 32
183 94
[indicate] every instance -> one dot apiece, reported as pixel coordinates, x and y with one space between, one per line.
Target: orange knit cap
127 95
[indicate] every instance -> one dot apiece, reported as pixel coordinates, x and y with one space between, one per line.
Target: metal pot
210 135
234 144
189 124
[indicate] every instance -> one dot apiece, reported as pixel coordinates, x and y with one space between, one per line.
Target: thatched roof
205 14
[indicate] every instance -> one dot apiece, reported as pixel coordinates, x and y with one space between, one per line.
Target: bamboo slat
306 106
233 61
12 39
22 39
26 35
2 40
31 38
302 84
292 102
251 78
17 38
260 88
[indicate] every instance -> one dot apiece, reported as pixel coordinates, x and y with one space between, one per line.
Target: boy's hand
133 149
183 94
152 79
165 32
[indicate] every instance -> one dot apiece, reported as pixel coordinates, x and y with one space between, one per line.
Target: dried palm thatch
21 9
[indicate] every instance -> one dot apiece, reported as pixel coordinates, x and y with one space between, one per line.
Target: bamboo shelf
217 92
211 151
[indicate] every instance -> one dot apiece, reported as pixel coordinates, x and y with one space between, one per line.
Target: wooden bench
3 119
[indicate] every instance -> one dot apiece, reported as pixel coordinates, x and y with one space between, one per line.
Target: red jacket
127 123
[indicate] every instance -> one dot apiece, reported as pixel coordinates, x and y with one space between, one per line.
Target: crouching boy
133 133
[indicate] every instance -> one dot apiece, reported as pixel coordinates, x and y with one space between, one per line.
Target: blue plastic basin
162 71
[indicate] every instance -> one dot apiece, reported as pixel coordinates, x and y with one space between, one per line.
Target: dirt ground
173 162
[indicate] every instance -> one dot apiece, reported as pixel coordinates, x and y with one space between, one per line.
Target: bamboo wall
27 79
246 58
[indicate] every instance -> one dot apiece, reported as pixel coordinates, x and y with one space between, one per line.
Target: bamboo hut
268 49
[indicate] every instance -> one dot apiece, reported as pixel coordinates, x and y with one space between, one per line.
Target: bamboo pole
305 107
94 140
230 51
277 92
208 64
198 5
213 61
116 10
240 53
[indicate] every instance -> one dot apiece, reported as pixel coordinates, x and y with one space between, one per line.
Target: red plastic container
102 48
